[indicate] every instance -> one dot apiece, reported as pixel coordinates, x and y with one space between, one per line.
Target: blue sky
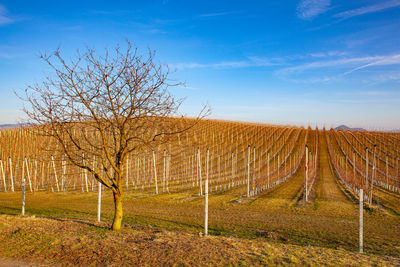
302 62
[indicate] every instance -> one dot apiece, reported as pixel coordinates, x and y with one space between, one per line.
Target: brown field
272 226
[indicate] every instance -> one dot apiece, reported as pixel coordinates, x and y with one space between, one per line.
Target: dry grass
84 243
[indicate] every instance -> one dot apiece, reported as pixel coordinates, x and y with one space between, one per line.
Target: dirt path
327 187
330 199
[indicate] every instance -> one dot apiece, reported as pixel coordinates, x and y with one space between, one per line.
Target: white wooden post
206 198
232 173
23 171
373 175
164 170
254 172
127 173
99 204
28 173
306 178
64 170
85 175
168 168
219 169
3 175
55 173
23 198
155 172
360 232
199 164
11 175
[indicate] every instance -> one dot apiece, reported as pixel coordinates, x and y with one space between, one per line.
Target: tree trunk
116 226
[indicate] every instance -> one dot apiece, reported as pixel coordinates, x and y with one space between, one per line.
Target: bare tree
103 107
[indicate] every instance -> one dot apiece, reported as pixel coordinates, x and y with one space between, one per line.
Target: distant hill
8 126
347 128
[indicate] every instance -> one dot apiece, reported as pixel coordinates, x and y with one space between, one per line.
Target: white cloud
328 54
368 9
4 19
326 64
380 61
215 14
308 9
251 62
368 61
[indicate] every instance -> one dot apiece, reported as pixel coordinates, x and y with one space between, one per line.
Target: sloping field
263 161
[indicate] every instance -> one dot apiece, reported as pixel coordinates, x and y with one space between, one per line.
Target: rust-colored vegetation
257 208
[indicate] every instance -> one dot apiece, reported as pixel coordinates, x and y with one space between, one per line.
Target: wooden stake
99 203
306 178
55 173
360 231
354 168
373 175
155 172
3 175
254 171
11 175
248 171
23 198
164 170
199 164
366 168
64 169
206 198
268 169
28 173
127 173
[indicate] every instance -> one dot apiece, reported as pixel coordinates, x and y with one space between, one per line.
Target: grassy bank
70 242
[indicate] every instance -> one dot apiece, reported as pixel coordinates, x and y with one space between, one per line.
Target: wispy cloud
351 62
4 18
327 54
380 61
250 62
325 64
382 5
308 9
217 14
